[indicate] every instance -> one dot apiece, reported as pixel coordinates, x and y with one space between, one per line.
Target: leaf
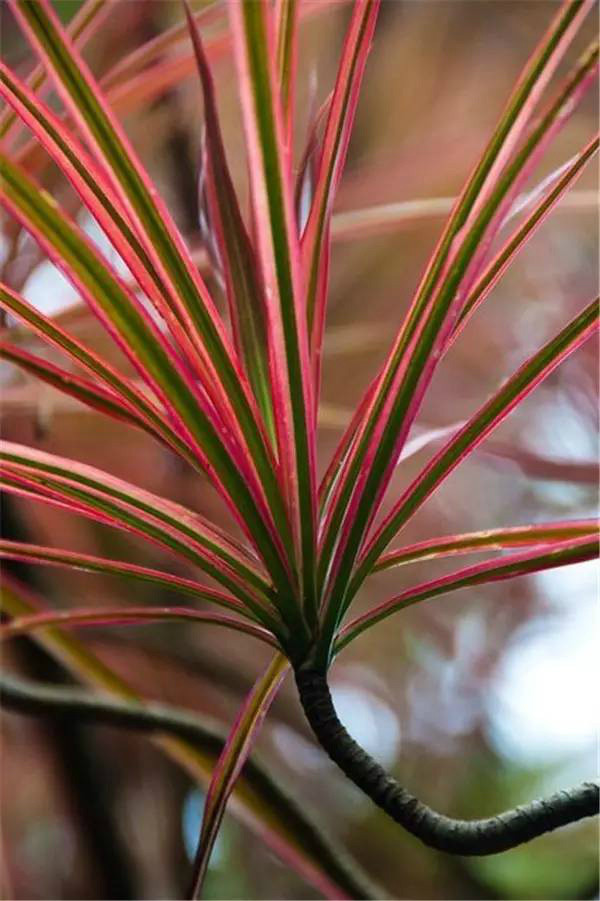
518 240
477 428
101 496
286 17
83 390
136 407
278 251
154 358
232 759
258 800
82 26
216 363
128 616
244 292
537 535
340 120
418 348
561 554
31 553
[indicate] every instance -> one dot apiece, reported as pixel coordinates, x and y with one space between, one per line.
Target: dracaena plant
236 394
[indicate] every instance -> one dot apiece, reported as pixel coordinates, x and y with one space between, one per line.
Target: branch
468 837
74 705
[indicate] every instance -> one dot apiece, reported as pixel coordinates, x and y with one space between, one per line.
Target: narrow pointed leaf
286 18
272 192
128 616
116 391
478 427
31 553
232 759
519 239
535 535
561 554
244 292
85 391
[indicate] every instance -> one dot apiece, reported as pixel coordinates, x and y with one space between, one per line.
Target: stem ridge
467 837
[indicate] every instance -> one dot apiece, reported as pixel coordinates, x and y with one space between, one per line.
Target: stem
467 837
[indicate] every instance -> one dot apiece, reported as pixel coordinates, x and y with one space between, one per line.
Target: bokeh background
478 701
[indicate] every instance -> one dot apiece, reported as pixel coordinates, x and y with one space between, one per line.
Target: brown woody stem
467 837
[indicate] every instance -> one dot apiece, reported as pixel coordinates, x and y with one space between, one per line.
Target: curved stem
468 837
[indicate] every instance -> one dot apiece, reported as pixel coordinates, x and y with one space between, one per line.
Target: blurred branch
73 705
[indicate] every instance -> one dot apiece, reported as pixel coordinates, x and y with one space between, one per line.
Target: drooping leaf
141 407
128 616
31 553
83 390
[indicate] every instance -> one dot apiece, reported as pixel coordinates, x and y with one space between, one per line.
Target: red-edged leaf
233 757
477 428
140 407
101 496
335 145
520 237
561 554
83 390
418 348
128 616
32 553
278 250
240 268
286 18
534 535
217 364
